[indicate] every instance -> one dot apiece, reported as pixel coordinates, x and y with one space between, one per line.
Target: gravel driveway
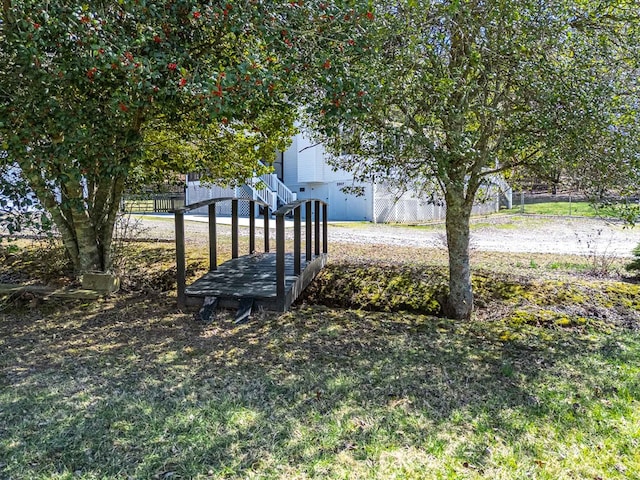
509 233
502 233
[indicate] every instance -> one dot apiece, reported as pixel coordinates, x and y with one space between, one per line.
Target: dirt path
505 233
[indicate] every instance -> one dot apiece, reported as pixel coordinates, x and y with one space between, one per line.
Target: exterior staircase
269 189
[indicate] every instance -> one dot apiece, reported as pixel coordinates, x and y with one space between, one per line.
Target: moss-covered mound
382 287
518 300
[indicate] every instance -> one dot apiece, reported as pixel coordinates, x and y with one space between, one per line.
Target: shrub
634 266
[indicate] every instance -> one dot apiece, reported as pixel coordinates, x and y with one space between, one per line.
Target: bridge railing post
325 237
266 228
317 227
297 234
180 260
252 227
179 218
280 263
308 223
234 228
213 239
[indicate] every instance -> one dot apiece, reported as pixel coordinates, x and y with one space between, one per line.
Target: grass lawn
578 209
543 383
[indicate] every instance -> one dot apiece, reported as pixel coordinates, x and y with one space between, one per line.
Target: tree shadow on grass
132 387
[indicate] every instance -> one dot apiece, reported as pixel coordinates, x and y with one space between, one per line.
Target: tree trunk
89 258
105 232
459 303
86 232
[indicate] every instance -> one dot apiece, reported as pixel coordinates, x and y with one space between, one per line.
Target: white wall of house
306 162
305 171
342 206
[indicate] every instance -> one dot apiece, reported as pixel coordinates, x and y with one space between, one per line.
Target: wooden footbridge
272 281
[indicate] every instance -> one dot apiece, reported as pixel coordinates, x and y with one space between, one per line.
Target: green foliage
442 95
223 152
634 265
468 87
90 95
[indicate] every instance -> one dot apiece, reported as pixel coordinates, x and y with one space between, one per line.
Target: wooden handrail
288 208
204 203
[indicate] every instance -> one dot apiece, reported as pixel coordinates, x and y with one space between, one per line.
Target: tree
454 91
222 152
89 93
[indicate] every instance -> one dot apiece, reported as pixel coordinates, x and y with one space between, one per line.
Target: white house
302 172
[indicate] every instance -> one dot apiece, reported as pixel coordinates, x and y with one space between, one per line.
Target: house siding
306 172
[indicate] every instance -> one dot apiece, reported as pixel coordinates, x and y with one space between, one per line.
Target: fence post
374 214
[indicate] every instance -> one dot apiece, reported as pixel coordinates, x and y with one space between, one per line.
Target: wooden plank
302 281
8 288
249 275
244 311
253 276
208 311
50 292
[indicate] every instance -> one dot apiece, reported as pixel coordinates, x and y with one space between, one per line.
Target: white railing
264 194
267 188
281 190
500 182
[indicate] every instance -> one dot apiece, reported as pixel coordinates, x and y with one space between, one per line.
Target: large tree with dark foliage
92 94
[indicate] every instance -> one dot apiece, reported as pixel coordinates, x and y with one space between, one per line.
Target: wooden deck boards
254 276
